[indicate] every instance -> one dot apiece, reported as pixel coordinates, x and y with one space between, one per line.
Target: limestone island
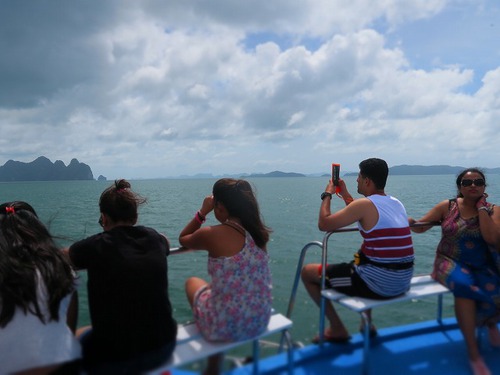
42 169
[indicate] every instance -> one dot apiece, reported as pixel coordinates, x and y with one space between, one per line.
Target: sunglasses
100 222
477 182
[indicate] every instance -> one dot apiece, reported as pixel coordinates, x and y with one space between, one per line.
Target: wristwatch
325 194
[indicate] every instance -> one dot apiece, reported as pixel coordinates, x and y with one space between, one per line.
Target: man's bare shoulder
360 202
365 212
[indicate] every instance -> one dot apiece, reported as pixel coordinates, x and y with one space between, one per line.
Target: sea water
289 206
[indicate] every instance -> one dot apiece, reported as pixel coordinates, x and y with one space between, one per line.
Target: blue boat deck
421 348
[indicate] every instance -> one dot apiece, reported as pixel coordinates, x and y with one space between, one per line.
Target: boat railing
324 252
180 250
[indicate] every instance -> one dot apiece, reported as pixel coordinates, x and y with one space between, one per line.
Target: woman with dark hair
467 260
133 329
236 304
38 303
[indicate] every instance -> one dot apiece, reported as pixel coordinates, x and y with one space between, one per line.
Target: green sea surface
289 206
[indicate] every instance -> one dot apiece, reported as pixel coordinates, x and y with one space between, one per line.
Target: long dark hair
26 249
238 198
461 175
120 203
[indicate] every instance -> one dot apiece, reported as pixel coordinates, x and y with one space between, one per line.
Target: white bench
420 287
192 347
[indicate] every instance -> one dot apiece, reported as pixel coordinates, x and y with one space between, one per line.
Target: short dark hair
376 170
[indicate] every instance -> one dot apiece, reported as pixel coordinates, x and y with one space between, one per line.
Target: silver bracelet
484 208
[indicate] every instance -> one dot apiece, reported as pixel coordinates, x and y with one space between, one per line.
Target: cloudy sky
146 89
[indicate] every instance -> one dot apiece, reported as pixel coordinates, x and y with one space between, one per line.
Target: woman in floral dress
236 304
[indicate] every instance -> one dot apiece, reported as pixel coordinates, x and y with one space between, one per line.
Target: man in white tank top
383 266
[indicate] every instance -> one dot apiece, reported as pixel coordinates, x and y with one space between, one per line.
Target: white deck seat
420 287
192 347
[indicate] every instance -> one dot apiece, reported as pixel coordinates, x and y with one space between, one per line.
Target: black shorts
344 278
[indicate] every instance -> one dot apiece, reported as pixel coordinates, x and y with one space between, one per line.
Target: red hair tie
10 210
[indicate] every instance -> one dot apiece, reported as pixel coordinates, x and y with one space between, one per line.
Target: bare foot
342 333
479 367
328 336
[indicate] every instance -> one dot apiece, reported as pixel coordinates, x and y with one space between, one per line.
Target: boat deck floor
421 348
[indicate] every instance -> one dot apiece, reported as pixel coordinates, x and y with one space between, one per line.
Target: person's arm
65 252
81 253
436 214
344 193
72 314
489 225
193 236
353 212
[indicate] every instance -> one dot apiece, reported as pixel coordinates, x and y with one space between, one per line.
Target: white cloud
154 88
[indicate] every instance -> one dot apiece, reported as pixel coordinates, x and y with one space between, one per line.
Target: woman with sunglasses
467 260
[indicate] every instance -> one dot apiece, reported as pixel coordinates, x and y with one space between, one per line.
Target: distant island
401 170
398 170
277 174
42 169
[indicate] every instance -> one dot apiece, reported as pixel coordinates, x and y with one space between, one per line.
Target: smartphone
336 176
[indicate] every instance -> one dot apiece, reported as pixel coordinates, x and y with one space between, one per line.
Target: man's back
387 250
